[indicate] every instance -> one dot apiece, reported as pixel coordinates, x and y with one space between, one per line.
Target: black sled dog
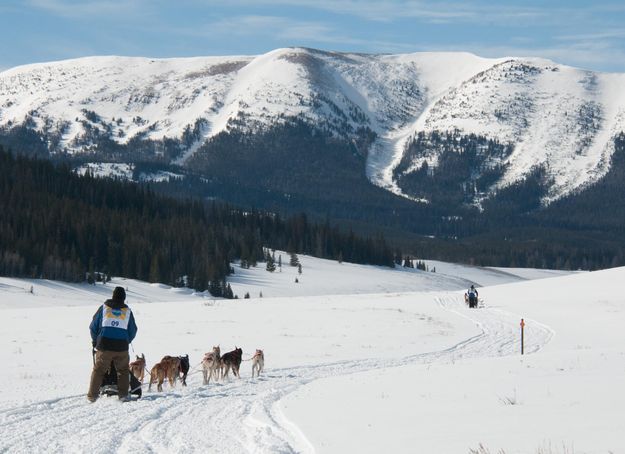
184 368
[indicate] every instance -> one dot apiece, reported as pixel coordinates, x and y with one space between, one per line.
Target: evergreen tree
215 288
91 272
271 265
155 275
228 293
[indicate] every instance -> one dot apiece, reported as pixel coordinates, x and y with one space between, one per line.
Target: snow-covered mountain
553 116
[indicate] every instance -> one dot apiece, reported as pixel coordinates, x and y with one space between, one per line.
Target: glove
93 344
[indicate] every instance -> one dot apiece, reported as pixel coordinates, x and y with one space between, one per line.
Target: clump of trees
58 225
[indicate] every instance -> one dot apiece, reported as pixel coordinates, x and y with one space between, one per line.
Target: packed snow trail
235 416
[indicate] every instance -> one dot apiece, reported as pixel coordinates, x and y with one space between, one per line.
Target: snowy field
358 359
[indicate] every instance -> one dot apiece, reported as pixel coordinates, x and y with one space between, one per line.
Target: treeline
293 167
529 247
467 165
597 207
58 225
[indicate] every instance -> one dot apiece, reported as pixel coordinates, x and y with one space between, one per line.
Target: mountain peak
553 116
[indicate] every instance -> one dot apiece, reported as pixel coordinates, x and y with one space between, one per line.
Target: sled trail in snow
231 417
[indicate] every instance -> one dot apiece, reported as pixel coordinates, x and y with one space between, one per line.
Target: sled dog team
113 328
471 297
214 366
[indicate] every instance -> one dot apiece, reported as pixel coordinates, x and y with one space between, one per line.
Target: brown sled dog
231 360
167 368
137 367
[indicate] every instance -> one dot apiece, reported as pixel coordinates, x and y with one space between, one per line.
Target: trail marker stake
522 335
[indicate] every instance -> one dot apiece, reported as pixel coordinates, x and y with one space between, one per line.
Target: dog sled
474 302
109 382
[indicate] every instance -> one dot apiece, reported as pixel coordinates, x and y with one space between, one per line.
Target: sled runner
109 383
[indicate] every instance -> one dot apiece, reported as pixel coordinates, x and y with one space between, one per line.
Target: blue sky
588 34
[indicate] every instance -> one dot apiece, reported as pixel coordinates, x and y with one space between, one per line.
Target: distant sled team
471 297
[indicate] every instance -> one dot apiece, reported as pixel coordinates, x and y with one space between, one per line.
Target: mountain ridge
555 117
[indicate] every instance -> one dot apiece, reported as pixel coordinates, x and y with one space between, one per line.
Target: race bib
115 318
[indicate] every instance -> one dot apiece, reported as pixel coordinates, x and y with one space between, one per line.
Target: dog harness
115 318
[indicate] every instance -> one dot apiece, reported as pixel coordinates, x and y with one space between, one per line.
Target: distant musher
472 295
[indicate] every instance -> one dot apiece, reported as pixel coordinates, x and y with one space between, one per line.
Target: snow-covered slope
555 116
401 371
130 96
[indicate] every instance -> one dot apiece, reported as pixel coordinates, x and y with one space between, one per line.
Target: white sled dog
211 364
258 362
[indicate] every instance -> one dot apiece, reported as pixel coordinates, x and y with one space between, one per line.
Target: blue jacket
113 327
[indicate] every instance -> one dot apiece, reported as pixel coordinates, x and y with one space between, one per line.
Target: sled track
232 417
